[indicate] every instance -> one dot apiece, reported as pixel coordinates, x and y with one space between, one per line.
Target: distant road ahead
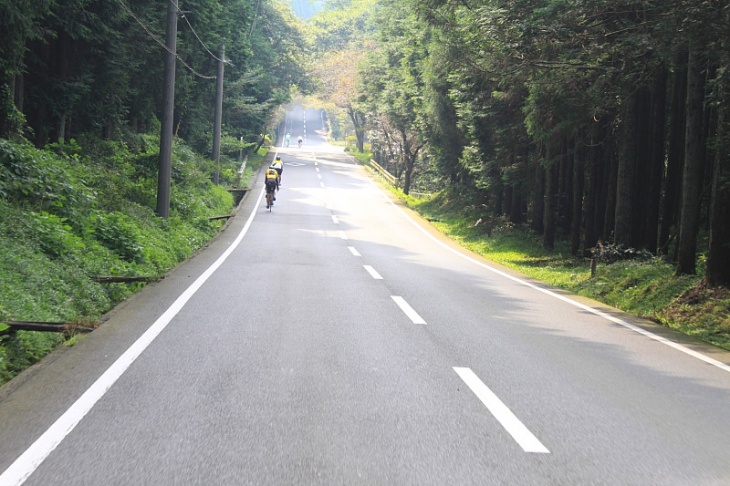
335 340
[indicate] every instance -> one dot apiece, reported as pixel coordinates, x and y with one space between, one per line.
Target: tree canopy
92 66
601 122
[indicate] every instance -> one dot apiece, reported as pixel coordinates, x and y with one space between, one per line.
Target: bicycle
271 184
269 199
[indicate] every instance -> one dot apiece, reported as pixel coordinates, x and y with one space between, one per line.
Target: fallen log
113 279
62 327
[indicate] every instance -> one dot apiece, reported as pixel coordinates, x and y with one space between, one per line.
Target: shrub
612 253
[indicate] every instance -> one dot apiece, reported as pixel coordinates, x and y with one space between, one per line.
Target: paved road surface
334 340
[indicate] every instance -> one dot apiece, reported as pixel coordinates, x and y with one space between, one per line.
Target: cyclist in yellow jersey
278 166
272 178
272 184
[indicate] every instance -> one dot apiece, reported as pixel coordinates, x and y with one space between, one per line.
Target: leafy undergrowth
69 214
646 288
701 312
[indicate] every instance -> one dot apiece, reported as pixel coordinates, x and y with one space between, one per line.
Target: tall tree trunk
625 183
19 91
642 184
577 209
515 203
675 156
538 206
357 122
548 236
610 207
692 173
718 257
564 201
656 161
595 195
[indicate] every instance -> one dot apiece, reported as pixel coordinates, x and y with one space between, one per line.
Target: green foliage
93 66
68 214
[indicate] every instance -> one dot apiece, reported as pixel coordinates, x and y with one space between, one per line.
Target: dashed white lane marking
408 310
319 176
373 273
342 235
354 251
29 461
504 415
335 220
321 184
579 305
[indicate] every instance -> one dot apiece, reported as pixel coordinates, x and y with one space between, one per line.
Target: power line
184 17
162 44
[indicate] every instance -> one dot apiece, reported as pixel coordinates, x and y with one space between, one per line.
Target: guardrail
387 175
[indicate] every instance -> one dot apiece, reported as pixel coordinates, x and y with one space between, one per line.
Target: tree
340 40
392 82
337 73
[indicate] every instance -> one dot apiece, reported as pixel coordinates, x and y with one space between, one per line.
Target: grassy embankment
75 212
647 288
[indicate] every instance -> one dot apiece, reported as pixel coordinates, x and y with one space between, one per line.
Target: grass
648 289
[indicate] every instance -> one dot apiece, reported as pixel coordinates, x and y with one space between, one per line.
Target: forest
601 124
604 123
91 67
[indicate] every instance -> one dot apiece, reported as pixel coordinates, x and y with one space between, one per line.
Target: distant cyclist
287 139
300 141
278 166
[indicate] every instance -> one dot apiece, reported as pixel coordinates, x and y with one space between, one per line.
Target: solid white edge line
408 310
502 413
354 251
19 471
616 320
373 273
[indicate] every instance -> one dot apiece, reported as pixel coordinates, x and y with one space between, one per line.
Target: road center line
353 251
373 273
342 234
504 415
29 461
408 310
335 220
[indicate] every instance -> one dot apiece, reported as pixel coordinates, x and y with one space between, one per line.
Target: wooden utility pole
168 104
218 115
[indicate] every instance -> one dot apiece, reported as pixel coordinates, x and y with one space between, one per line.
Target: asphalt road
339 340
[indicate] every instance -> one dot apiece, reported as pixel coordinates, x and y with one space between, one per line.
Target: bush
612 253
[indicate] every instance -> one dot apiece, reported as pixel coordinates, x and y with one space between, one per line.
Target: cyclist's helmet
278 157
271 172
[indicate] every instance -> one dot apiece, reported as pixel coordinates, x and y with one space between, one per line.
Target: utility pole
218 115
168 104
